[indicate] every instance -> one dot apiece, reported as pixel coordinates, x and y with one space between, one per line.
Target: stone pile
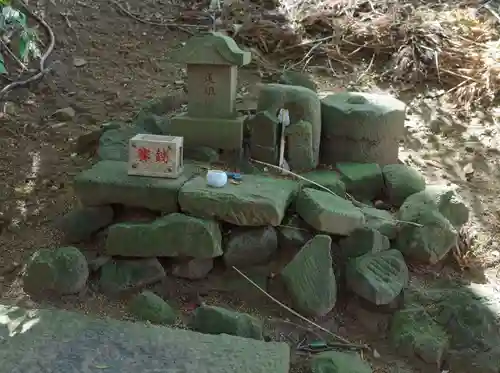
339 240
353 225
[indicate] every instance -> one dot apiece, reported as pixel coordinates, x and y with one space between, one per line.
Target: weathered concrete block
265 154
378 277
171 235
361 127
310 279
257 201
68 340
108 182
326 178
301 103
329 213
300 154
264 130
363 180
225 133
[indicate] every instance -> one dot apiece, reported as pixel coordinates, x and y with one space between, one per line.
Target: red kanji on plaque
162 156
144 154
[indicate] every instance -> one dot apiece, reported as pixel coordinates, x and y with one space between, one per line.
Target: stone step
57 341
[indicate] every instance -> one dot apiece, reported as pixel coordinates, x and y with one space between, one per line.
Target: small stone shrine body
212 68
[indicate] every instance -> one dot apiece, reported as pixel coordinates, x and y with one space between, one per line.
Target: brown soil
126 65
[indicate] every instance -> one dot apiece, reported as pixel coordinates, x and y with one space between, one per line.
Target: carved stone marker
211 120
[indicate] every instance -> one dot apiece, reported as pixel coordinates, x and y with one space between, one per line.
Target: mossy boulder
218 320
63 271
148 306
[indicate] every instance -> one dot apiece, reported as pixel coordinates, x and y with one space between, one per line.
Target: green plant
20 41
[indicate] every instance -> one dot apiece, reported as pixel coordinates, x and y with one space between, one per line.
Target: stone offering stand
353 223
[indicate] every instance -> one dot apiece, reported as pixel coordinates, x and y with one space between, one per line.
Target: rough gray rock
293 233
62 271
431 239
80 224
381 220
414 333
442 197
339 362
193 269
445 316
363 241
378 277
309 277
401 181
248 247
329 213
113 144
114 346
218 320
148 306
123 275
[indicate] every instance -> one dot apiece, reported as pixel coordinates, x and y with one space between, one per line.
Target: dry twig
295 313
182 27
353 200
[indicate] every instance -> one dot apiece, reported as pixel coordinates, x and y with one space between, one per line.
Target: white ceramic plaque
156 156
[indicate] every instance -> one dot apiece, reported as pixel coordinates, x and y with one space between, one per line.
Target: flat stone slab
258 200
108 182
328 212
40 341
171 235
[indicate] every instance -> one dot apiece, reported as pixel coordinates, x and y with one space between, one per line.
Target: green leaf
12 15
28 45
3 70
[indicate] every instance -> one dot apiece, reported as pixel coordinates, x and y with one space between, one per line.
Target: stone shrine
211 120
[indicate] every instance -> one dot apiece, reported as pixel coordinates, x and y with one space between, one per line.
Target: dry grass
455 46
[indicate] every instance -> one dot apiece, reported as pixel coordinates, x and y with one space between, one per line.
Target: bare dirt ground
126 64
